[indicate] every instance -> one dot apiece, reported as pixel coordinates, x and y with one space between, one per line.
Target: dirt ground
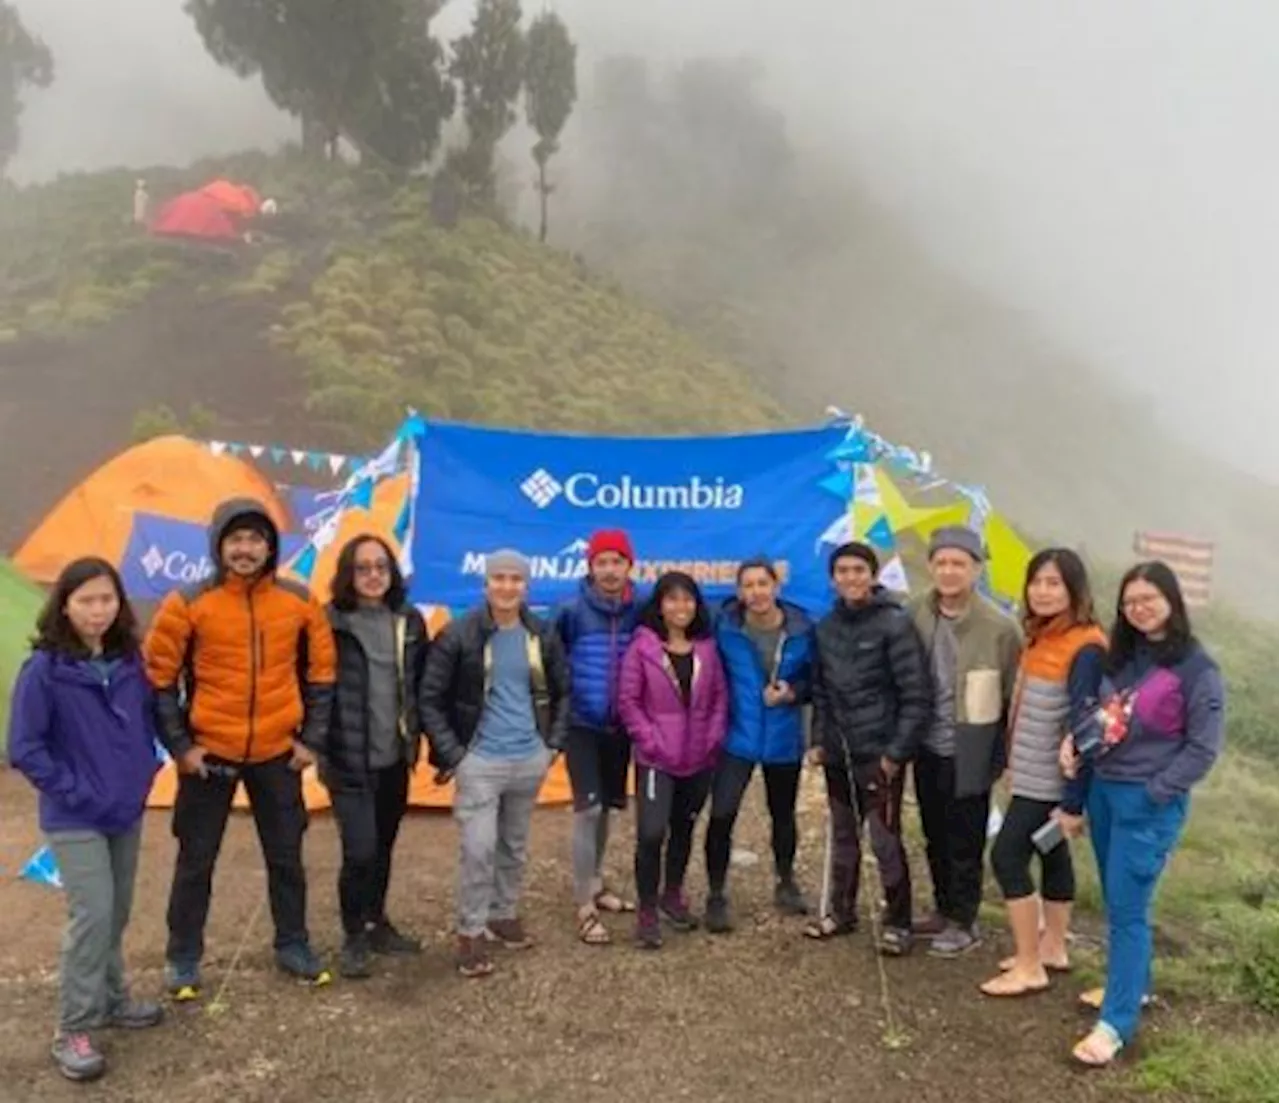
761 1014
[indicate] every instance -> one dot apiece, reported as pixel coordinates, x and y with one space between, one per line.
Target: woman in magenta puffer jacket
674 702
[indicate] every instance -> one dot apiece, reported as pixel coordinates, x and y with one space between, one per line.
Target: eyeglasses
367 569
1149 601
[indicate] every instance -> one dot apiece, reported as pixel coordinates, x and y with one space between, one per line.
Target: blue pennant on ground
42 868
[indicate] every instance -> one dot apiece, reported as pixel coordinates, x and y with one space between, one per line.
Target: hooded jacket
241 667
871 692
85 741
666 735
757 732
595 631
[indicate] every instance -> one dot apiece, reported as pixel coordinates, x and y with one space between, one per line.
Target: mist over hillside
1036 244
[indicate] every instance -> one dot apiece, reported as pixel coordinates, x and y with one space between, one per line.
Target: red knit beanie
610 540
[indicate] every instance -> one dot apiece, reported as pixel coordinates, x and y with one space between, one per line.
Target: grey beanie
959 538
506 561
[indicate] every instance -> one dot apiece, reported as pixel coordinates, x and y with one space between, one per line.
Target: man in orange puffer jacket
243 666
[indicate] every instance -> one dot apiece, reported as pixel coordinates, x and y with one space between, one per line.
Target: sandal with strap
612 903
827 927
591 931
1099 1048
1064 967
1091 999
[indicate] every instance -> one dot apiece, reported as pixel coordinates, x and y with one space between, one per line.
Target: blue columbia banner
699 504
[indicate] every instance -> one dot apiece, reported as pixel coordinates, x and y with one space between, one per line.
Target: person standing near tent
871 698
675 703
973 651
495 703
1058 683
243 668
766 645
80 730
374 739
596 628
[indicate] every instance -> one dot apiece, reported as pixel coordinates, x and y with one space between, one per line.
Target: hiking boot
788 898
183 980
356 960
717 915
135 1015
930 926
299 960
473 956
385 939
956 941
675 909
509 932
895 941
648 935
76 1057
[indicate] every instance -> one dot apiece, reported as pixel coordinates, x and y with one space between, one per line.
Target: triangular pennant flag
362 496
217 447
401 529
315 460
866 490
256 450
880 534
278 455
336 462
893 576
299 457
839 483
42 868
855 448
235 449
839 531
305 564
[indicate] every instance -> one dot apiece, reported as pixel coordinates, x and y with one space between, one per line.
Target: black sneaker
895 941
356 960
299 960
385 939
717 916
135 1015
675 910
788 898
183 980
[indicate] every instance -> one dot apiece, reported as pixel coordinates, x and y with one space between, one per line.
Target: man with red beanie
596 627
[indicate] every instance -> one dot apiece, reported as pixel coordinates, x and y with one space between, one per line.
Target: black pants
878 802
598 762
955 833
733 775
1013 849
666 809
368 811
199 822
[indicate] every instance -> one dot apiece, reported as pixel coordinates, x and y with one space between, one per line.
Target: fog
1111 172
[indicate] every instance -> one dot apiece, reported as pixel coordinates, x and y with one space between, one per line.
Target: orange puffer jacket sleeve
242 670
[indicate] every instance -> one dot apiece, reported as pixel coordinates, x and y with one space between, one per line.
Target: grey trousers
493 805
97 876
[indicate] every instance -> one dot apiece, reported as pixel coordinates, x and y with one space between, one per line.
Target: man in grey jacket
973 651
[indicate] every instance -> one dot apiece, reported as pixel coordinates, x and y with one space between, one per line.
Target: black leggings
666 809
733 775
1013 849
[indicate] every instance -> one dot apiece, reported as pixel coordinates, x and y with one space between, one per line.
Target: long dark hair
54 632
1178 637
651 614
1075 576
344 575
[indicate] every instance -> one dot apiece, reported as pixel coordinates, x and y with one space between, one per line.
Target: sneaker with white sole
77 1057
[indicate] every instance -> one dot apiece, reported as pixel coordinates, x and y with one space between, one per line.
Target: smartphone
1048 836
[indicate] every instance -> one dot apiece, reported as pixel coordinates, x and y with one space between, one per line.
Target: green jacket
988 644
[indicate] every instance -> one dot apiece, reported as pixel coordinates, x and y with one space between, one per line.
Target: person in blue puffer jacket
596 628
766 645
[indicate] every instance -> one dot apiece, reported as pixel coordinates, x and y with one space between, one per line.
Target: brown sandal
827 927
612 903
1097 1049
591 931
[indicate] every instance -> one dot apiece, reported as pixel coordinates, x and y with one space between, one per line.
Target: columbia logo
153 561
541 488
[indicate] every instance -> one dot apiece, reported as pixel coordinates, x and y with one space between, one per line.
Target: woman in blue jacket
1163 703
80 731
767 647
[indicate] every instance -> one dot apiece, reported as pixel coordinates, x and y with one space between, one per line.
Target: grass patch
1211 1068
19 603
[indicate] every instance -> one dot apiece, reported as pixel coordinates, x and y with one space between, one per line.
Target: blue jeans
1133 837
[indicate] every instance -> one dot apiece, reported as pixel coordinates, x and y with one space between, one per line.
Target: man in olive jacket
972 651
495 703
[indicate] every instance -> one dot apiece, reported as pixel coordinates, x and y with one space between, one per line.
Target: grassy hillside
19 604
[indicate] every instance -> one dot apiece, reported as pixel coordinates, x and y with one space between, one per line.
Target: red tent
196 216
238 199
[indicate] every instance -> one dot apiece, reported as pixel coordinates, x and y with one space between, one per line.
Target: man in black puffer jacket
871 698
374 739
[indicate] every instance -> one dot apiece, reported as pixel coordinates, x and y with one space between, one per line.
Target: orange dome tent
236 199
170 476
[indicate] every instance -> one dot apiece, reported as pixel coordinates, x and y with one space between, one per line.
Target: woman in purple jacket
80 731
674 702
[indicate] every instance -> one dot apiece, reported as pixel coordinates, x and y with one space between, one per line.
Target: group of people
246 678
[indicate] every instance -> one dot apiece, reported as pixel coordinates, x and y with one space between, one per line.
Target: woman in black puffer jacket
374 739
